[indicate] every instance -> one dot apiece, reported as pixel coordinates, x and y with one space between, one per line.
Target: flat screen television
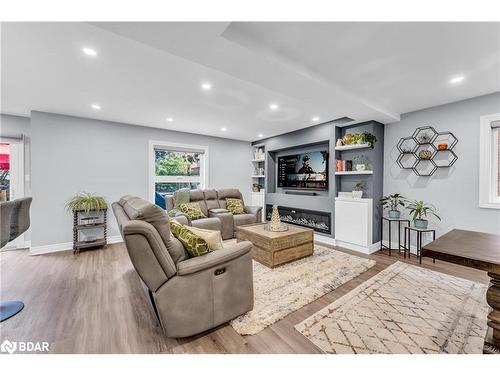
308 170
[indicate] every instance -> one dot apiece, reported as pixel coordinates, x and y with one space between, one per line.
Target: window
489 162
175 166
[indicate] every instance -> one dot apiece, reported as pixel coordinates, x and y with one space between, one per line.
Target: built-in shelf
352 147
254 176
258 160
353 172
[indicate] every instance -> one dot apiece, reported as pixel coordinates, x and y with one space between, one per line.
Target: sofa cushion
213 237
222 194
235 206
199 196
211 199
194 244
243 219
192 210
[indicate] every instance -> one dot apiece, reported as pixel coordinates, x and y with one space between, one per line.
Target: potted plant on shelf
392 202
357 190
419 211
369 138
361 163
86 202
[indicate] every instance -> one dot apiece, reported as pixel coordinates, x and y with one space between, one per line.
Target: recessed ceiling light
89 51
170 119
260 135
273 106
223 129
457 79
206 86
315 118
96 106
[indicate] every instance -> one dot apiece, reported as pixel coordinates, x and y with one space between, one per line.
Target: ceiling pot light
457 79
260 135
315 118
273 106
223 129
170 119
96 106
89 51
206 86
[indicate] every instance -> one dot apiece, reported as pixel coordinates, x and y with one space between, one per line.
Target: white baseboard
333 242
46 249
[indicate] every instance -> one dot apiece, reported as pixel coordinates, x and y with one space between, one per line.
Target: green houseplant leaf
86 202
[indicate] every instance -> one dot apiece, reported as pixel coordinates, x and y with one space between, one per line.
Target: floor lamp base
9 308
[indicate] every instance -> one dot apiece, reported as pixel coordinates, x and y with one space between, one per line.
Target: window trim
488 183
204 165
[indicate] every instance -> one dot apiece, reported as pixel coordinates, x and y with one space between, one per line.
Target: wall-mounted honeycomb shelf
420 152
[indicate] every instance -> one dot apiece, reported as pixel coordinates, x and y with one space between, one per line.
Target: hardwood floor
94 302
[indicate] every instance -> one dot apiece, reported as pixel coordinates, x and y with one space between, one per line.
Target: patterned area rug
282 290
403 309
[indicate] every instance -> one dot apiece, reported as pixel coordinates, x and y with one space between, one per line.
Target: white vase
357 194
360 167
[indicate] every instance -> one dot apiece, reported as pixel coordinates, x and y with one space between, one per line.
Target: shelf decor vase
357 194
360 167
275 225
421 223
394 214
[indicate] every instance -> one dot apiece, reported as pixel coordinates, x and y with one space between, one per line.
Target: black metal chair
14 221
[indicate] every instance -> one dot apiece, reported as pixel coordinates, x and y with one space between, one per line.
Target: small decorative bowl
442 146
425 154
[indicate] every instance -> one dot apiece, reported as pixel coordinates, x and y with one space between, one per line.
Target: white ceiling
146 72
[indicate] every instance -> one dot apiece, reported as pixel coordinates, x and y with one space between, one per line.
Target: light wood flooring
94 302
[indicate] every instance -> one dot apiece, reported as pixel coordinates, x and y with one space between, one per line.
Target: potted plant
392 202
419 211
369 138
86 202
361 163
357 190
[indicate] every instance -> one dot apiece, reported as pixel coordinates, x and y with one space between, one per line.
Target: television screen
308 170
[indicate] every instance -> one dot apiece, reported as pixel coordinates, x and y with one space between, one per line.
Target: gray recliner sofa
189 295
213 205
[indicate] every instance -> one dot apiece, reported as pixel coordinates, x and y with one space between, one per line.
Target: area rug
282 290
403 309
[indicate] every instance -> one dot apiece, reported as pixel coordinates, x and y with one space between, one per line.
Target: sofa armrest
254 210
182 219
214 258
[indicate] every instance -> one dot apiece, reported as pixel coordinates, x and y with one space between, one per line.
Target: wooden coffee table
476 250
275 248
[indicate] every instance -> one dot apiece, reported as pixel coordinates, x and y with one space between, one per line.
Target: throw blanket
180 197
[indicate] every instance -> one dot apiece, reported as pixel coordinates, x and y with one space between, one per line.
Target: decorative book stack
344 165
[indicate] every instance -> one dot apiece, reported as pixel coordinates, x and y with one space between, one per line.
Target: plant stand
82 224
419 232
390 221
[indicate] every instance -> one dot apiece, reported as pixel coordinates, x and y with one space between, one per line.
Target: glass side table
419 233
390 221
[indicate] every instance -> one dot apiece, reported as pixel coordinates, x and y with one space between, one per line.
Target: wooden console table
476 250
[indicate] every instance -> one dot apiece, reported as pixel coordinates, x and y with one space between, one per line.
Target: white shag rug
403 309
282 290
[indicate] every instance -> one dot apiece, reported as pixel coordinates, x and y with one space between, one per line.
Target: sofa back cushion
198 196
222 194
140 209
211 199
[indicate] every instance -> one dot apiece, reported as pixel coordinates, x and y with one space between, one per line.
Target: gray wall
454 191
71 154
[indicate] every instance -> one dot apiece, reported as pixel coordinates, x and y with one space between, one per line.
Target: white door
12 178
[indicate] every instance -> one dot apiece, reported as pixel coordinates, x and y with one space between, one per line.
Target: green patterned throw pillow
192 210
235 206
194 244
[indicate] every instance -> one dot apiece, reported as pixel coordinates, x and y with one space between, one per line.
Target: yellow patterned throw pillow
194 244
192 210
235 206
213 237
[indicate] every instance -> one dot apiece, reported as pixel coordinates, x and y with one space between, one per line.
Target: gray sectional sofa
213 205
189 295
